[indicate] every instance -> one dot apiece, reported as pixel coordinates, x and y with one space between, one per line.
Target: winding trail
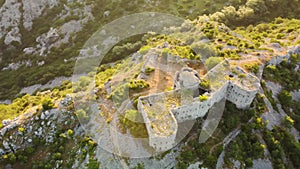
227 139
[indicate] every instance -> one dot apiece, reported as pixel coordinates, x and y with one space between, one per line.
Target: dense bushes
245 148
254 11
284 74
21 105
293 118
281 144
148 70
195 151
204 50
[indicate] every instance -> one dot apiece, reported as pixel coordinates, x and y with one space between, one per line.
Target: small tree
285 97
288 122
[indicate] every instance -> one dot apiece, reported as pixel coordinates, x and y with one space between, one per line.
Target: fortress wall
276 60
240 97
219 94
145 116
162 143
159 143
191 111
199 109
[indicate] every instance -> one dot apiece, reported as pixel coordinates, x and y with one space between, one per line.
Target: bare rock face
13 35
33 9
16 14
46 39
10 16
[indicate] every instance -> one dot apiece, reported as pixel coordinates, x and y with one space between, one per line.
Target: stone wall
240 97
276 60
199 109
162 143
159 143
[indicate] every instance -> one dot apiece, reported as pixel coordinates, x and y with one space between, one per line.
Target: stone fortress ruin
191 98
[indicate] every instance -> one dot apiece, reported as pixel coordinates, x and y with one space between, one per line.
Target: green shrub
148 70
144 50
203 98
288 121
253 67
295 58
82 115
205 84
280 36
271 67
133 115
138 84
204 50
57 156
242 75
93 164
119 94
70 133
285 97
47 104
21 129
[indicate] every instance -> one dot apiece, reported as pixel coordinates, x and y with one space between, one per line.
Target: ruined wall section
241 97
158 142
276 60
199 109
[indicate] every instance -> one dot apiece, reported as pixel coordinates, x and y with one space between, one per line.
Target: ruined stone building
163 111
